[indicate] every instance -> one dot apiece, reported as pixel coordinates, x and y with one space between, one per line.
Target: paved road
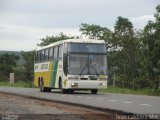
137 104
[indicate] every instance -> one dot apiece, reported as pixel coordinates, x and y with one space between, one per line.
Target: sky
24 22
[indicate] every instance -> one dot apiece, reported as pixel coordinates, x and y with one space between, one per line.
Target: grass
146 91
16 84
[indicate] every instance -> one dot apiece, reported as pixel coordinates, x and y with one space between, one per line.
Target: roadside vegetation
144 91
133 56
17 84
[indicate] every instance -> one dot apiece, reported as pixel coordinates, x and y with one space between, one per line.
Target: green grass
146 91
16 84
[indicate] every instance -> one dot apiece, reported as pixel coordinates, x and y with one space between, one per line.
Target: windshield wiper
95 70
93 67
83 69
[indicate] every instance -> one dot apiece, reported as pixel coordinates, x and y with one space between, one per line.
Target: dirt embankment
19 108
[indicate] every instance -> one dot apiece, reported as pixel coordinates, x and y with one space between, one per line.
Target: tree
127 45
96 32
152 48
28 65
7 63
48 40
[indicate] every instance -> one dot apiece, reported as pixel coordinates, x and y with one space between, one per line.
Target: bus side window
39 55
60 51
65 48
55 52
51 53
42 55
65 61
46 54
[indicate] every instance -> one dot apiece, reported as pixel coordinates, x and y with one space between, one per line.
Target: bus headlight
74 84
102 84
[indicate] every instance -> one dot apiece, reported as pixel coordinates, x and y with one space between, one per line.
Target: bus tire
94 91
47 89
41 86
70 91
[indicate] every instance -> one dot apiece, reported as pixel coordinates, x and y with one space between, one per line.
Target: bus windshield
87 64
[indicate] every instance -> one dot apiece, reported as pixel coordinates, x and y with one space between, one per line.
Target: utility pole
11 78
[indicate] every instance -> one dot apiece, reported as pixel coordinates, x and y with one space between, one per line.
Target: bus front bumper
86 84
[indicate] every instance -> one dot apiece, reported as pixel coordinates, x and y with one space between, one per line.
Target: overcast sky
24 22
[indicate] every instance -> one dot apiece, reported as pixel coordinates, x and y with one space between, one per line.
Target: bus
72 64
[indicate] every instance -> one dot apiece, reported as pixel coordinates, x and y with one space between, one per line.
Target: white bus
73 64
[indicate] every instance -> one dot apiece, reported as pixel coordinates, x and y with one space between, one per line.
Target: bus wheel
70 91
41 87
94 91
46 89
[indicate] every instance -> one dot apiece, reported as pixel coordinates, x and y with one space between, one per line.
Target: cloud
143 18
141 21
18 37
24 23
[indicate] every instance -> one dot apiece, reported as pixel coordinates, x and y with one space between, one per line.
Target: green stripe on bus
54 73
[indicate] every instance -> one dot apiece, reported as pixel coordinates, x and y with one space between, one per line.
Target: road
137 104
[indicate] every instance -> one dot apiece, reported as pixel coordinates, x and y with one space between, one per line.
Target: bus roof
71 41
